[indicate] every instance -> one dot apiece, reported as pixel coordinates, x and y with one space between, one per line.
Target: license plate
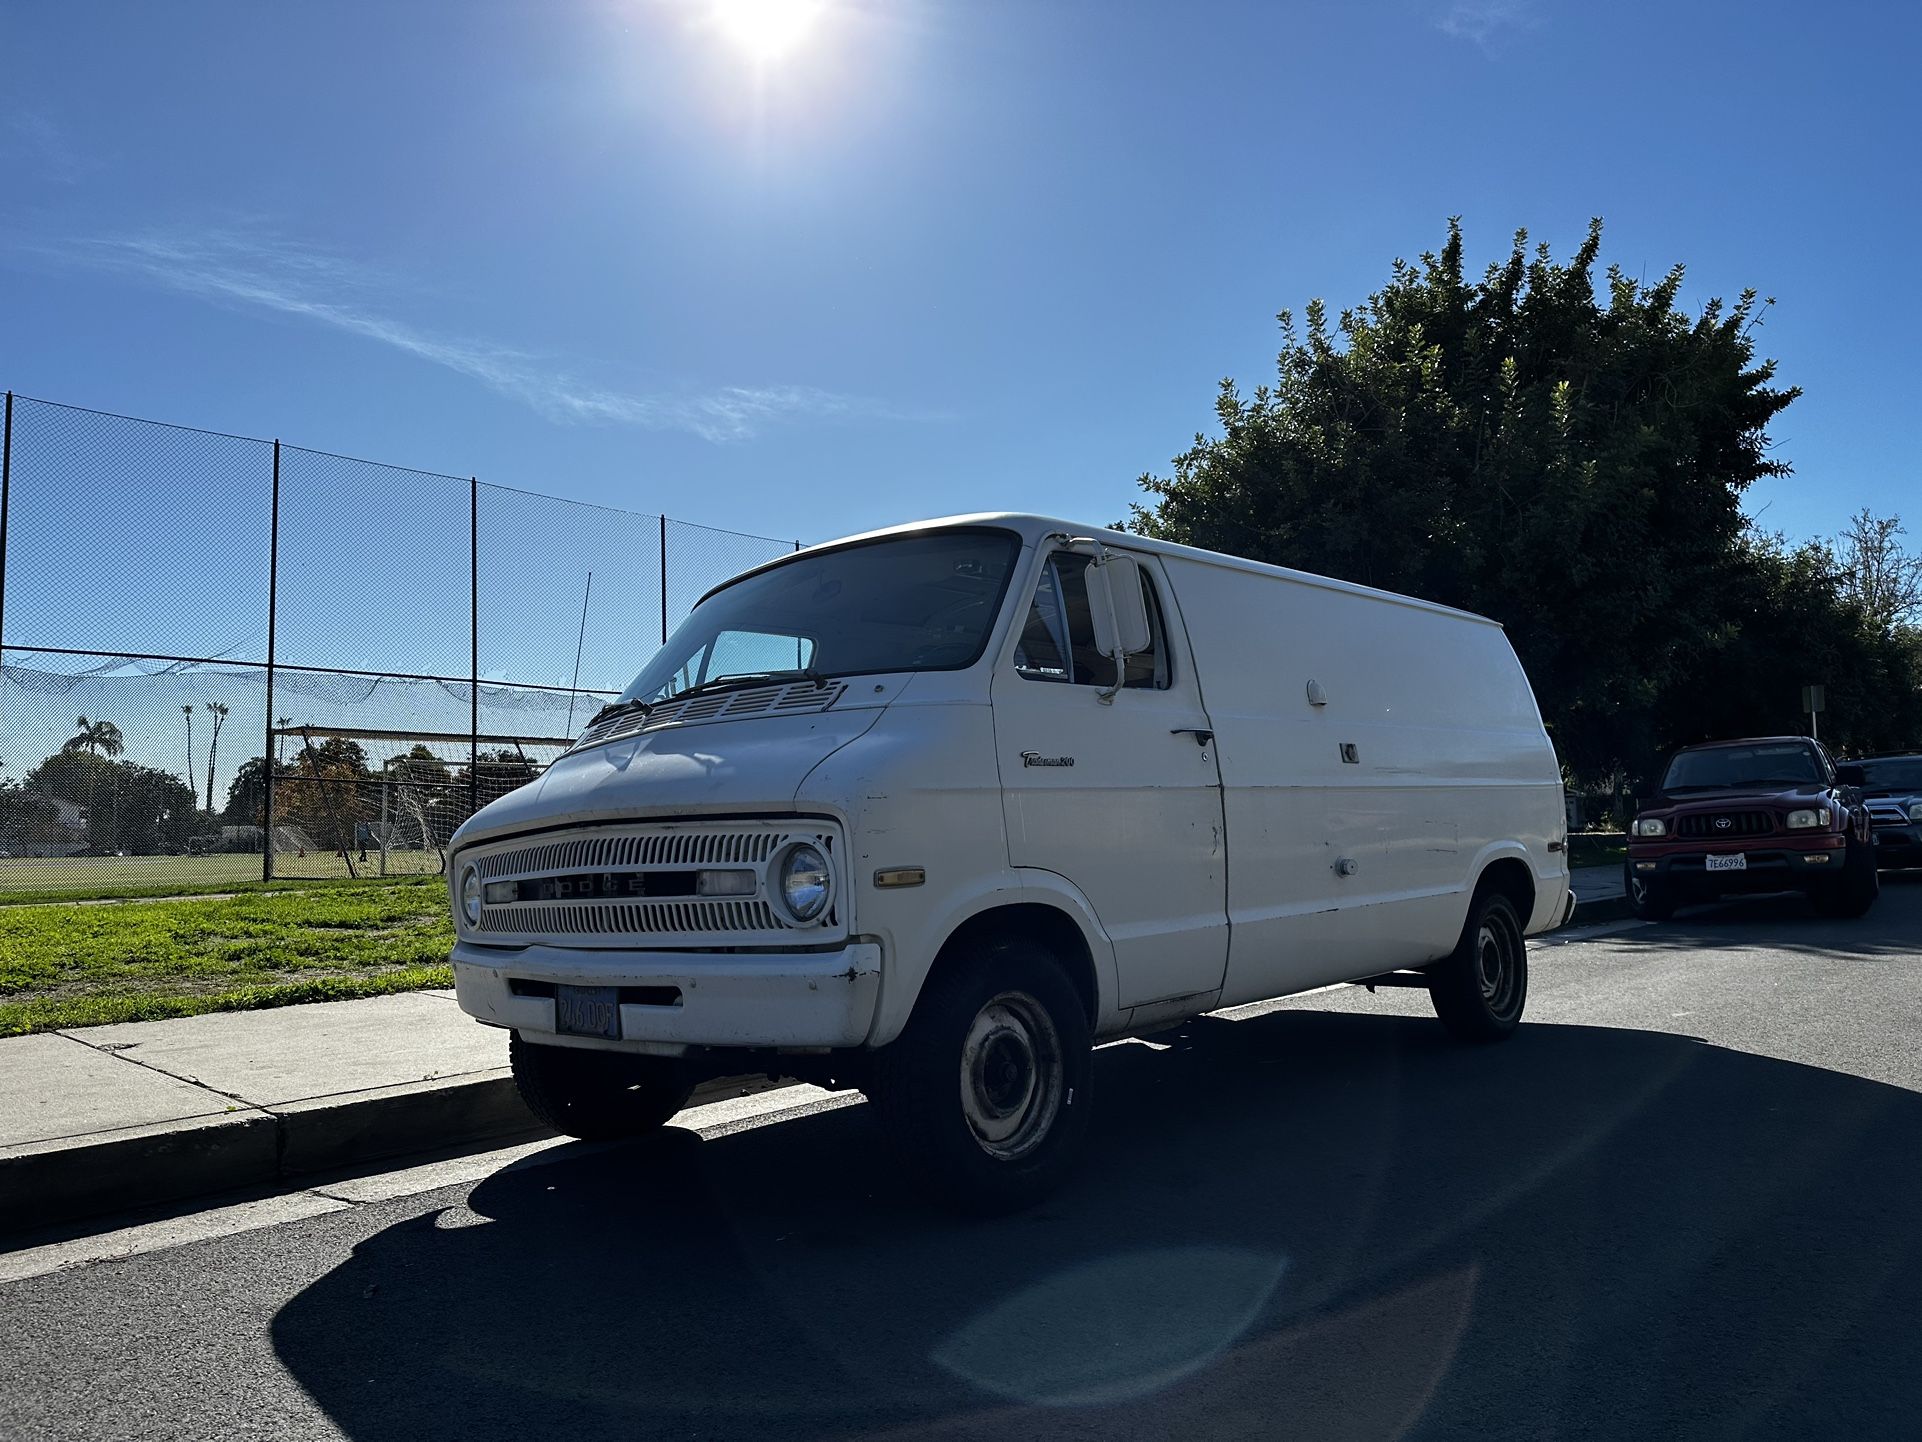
1737 862
588 1011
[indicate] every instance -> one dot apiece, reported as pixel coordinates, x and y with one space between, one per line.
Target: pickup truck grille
1724 825
633 885
793 699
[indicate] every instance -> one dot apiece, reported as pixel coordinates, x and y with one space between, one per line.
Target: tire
1648 899
597 1096
985 1096
1853 892
1481 989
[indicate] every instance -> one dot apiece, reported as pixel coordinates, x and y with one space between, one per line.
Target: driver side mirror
1851 776
1117 606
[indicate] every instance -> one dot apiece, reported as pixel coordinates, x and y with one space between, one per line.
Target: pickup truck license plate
588 1011
1737 862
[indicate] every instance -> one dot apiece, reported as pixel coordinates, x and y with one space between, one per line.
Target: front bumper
1898 847
731 999
1774 867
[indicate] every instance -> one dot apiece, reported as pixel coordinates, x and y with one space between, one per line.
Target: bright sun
766 29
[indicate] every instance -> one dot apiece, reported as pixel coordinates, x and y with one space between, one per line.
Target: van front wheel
985 1095
596 1096
1480 989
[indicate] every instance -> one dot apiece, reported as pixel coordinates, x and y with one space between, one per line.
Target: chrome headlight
1650 826
1807 817
470 896
805 881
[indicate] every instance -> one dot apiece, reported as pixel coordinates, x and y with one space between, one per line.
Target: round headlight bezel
470 896
811 858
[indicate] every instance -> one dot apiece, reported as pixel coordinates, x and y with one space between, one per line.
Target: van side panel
1356 826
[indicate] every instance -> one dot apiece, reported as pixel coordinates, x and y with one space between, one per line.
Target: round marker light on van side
804 881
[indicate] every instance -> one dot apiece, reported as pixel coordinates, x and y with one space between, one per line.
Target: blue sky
939 256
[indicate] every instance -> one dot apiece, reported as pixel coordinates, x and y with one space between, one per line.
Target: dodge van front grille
636 885
792 699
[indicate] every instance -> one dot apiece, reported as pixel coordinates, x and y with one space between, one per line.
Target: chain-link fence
223 658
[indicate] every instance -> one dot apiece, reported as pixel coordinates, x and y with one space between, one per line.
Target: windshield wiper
743 679
617 708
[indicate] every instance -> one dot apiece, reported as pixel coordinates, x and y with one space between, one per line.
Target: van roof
1033 528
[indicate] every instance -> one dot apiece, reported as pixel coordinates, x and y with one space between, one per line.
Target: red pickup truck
1770 813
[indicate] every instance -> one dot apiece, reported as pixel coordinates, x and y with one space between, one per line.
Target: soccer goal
356 802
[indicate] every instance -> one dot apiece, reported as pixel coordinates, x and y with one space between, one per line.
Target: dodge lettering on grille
608 886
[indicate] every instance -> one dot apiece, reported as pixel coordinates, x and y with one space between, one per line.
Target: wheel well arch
1049 925
1510 876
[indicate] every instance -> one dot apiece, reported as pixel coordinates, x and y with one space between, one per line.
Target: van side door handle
1201 734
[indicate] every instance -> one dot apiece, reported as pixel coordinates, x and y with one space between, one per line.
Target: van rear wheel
985 1096
1479 991
597 1096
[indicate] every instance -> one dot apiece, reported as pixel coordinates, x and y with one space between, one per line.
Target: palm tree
219 710
95 737
188 712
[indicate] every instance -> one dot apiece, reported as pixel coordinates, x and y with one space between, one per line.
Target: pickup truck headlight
1807 817
805 881
1915 811
1650 826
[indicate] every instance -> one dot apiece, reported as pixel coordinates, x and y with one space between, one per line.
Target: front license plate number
588 1011
1737 862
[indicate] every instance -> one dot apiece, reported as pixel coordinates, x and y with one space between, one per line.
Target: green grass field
66 964
162 875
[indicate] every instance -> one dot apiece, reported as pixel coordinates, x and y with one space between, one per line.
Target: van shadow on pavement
1306 1224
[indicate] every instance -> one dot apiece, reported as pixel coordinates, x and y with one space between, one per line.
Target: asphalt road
1686 1201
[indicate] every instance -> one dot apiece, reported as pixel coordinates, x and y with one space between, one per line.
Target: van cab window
1057 641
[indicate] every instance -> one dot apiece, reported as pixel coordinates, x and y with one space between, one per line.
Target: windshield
1775 763
1895 773
912 603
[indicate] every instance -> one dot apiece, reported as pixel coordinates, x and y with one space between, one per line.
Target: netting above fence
175 604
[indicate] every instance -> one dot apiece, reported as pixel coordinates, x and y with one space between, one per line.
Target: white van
931 811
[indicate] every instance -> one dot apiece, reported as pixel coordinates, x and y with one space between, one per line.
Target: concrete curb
46 1184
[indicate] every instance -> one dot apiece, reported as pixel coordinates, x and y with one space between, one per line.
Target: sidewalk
107 1118
1598 893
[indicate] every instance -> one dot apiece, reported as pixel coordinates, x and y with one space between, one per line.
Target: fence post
6 490
473 636
663 579
273 611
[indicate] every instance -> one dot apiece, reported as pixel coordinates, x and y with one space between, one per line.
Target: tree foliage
96 738
1567 462
132 808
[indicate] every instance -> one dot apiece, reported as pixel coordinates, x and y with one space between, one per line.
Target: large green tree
129 807
1567 461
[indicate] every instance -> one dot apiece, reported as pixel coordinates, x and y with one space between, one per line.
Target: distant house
70 835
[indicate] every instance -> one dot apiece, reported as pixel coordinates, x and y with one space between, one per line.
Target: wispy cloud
35 136
254 268
1487 22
